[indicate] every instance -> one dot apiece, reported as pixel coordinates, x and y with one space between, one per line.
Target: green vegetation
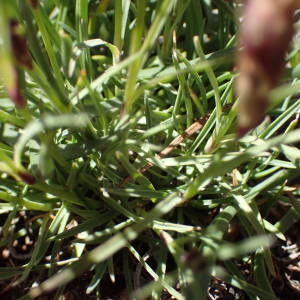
112 84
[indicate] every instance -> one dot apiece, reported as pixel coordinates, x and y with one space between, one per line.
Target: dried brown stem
196 126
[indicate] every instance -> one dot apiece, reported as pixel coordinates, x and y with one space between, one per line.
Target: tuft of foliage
121 173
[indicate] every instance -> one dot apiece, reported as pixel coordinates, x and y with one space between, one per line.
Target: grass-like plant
119 160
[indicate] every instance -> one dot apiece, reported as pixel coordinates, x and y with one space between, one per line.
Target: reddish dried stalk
265 34
34 3
21 58
19 46
14 92
27 177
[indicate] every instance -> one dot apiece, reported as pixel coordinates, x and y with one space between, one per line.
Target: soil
286 257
